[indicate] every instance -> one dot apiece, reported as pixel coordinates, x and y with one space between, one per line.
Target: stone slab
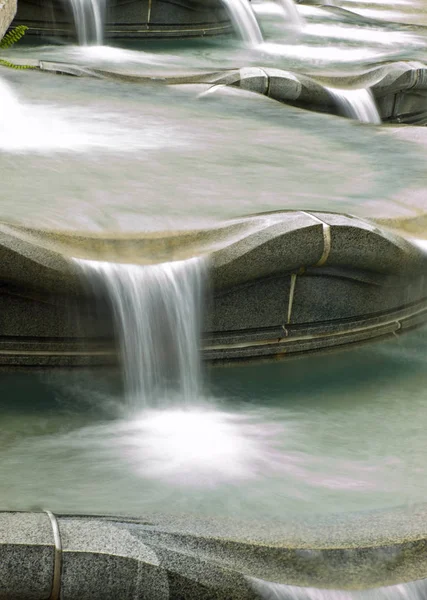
26 556
102 560
7 14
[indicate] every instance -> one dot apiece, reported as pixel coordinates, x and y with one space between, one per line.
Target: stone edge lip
352 551
277 83
42 259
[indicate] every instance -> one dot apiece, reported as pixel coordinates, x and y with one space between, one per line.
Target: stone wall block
26 556
7 14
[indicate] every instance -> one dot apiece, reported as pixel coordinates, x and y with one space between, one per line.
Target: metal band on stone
57 565
291 297
326 238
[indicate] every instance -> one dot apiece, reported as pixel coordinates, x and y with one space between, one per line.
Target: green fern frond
13 36
6 63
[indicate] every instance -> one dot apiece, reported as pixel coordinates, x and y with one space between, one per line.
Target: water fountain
356 104
89 19
244 21
218 501
157 310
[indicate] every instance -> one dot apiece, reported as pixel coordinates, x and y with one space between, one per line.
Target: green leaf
13 36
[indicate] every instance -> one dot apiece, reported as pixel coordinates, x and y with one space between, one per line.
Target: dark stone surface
250 306
129 19
282 283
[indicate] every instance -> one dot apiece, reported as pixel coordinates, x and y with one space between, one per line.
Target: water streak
415 590
356 104
157 311
244 21
292 13
89 16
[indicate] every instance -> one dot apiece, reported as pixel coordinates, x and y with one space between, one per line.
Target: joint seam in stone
326 231
57 564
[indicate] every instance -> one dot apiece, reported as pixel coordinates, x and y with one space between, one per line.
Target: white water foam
356 104
39 128
89 16
244 21
157 312
415 590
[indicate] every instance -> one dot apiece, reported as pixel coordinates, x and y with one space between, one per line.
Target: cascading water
244 21
292 14
356 104
415 590
89 16
157 311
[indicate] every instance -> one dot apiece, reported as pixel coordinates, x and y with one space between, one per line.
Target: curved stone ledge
161 557
399 89
129 19
282 283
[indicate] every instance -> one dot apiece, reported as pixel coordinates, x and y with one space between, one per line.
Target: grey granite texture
7 13
129 19
104 561
201 555
250 305
198 558
26 556
282 283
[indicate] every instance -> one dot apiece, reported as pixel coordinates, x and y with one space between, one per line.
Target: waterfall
415 590
292 13
244 21
89 18
157 312
356 104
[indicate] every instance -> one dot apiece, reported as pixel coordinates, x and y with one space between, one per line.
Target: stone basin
282 284
160 557
134 20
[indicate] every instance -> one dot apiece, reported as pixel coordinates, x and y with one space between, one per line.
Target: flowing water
331 434
244 21
356 104
89 17
157 311
292 13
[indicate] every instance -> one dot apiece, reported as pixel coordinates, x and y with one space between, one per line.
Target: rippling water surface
107 155
343 432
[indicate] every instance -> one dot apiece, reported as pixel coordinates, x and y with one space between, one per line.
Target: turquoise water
335 433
